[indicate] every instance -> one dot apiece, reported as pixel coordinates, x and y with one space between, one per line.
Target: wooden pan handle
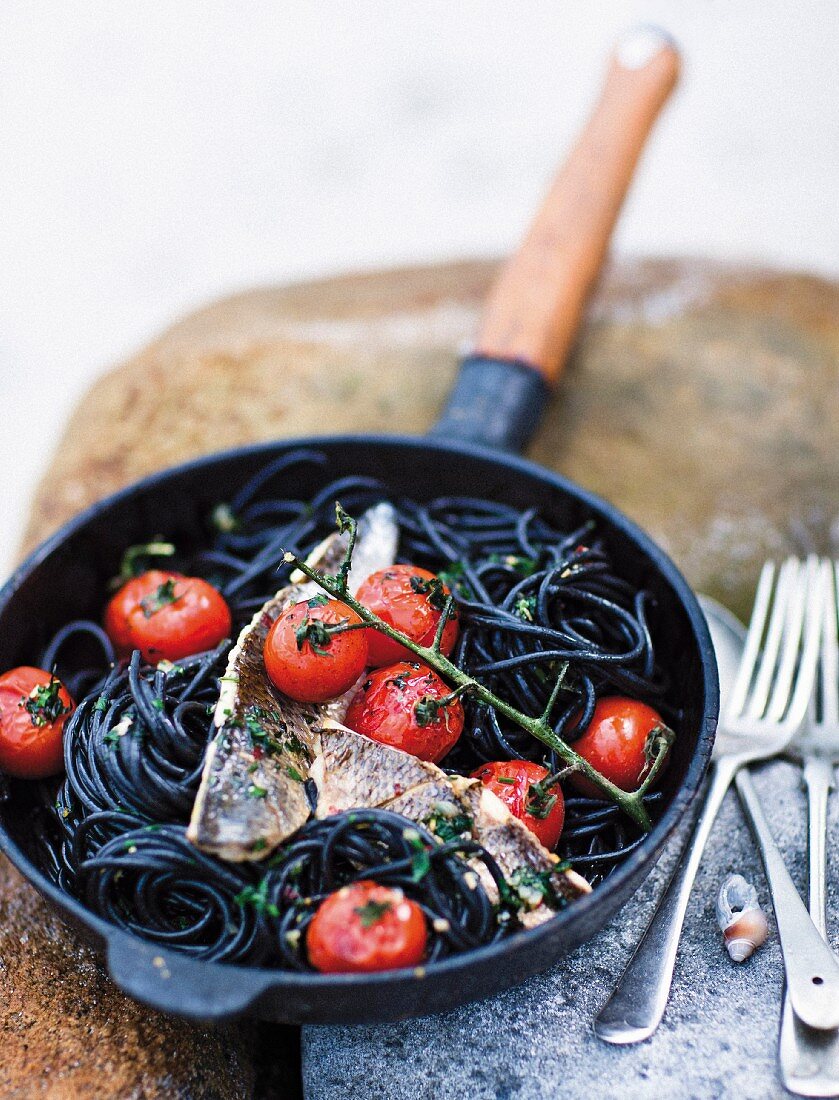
534 309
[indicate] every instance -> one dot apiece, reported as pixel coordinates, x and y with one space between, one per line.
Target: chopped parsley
420 860
163 595
525 608
255 791
400 681
447 828
44 703
433 589
525 566
255 717
372 911
529 888
257 896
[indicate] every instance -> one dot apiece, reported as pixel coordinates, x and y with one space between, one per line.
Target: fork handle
809 1060
811 968
638 1001
818 779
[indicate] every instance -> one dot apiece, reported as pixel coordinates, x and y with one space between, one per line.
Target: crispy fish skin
353 771
252 794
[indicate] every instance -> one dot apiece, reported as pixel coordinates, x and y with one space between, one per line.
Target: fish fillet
352 771
252 793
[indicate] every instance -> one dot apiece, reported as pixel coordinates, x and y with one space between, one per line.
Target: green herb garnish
163 595
44 703
420 860
432 588
257 896
372 911
447 828
525 608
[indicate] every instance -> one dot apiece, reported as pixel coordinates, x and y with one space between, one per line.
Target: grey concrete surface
718 1037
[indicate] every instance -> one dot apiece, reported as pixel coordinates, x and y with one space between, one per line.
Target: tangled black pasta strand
393 851
535 602
133 750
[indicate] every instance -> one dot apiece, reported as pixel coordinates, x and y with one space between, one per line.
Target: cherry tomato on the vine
619 743
166 615
400 706
308 661
33 709
365 927
411 600
517 784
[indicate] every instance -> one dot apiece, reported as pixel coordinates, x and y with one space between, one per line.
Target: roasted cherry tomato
309 662
400 706
516 782
364 927
411 600
33 709
166 615
619 743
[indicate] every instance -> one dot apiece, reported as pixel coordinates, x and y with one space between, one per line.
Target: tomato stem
445 615
630 802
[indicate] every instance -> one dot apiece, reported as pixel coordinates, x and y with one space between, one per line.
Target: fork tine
782 620
806 673
780 676
751 650
830 650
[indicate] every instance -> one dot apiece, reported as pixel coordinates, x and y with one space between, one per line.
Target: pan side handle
184 987
534 309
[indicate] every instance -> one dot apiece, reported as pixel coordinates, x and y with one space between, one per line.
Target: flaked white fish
252 793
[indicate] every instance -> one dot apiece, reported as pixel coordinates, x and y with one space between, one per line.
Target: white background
159 154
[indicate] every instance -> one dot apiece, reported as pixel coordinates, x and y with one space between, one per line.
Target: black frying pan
527 330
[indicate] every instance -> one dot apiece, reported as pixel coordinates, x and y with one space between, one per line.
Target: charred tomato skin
512 781
616 743
365 927
309 670
166 616
31 742
385 709
404 597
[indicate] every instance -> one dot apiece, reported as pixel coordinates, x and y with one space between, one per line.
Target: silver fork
773 688
812 970
810 1059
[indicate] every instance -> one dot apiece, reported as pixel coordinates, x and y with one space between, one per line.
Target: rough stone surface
702 399
67 1032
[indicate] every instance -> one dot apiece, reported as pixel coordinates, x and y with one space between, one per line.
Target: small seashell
742 921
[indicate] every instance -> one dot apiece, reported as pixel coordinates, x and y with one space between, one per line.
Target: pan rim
291 981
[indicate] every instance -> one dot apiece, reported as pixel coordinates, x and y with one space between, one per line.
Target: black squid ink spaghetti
546 627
